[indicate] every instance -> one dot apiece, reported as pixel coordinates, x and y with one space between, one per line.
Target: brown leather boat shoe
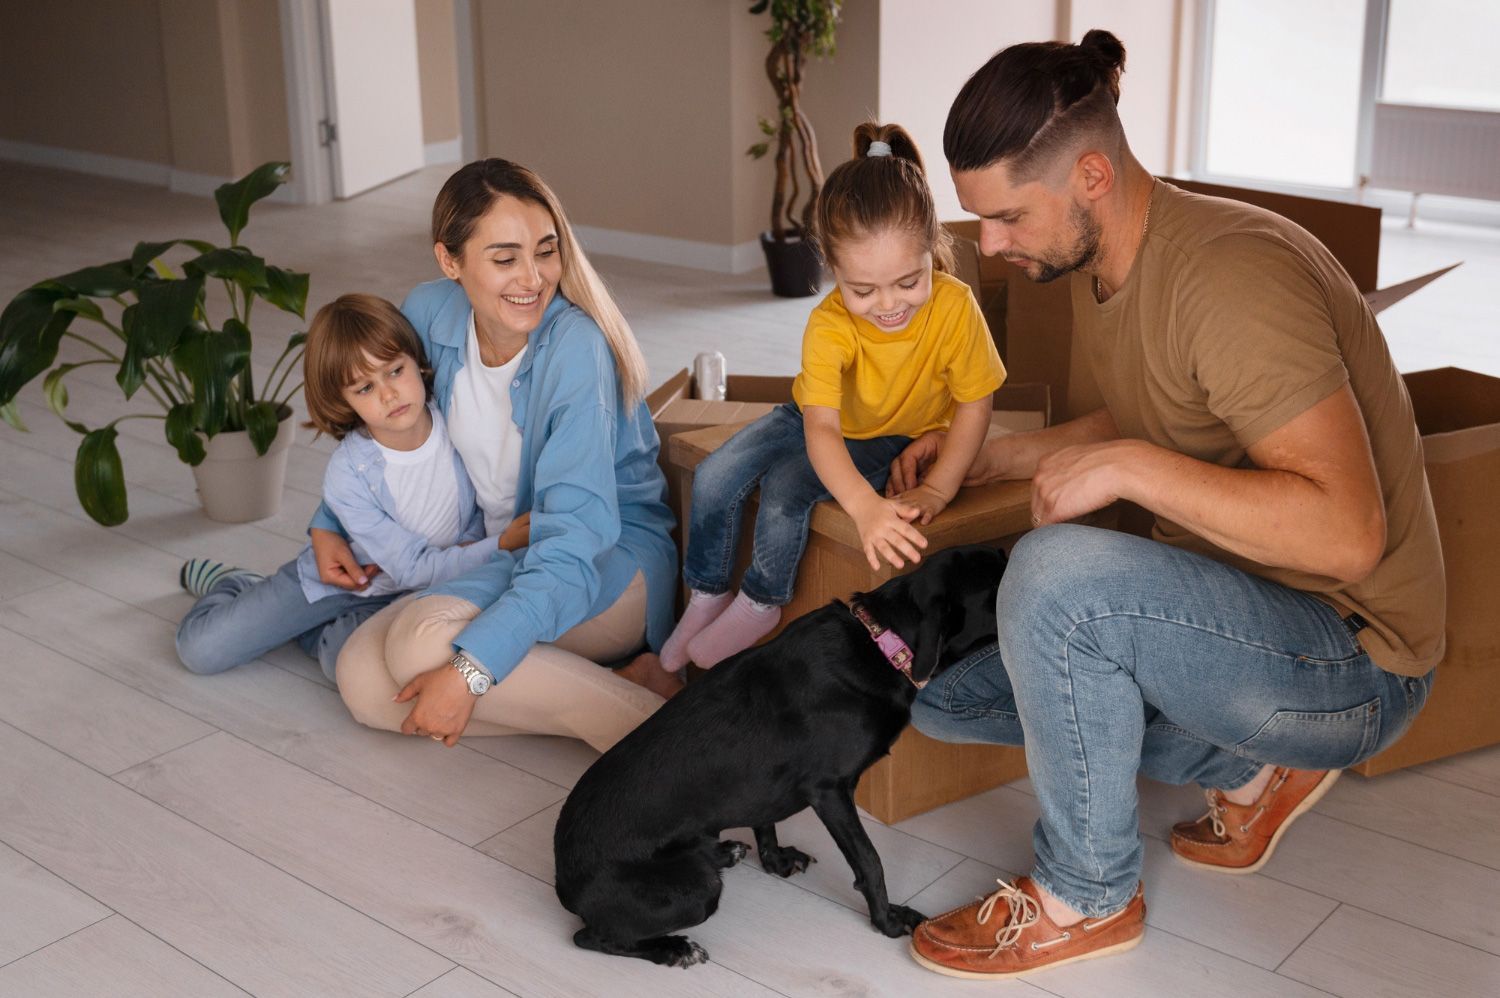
1007 934
1239 838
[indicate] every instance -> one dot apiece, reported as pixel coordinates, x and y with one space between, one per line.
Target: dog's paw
900 921
680 951
785 861
731 853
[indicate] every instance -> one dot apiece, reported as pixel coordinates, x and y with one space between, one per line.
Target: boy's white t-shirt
424 486
487 438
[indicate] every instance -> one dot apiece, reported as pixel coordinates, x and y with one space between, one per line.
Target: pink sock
737 628
702 610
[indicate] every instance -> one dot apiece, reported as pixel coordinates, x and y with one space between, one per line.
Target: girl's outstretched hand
886 531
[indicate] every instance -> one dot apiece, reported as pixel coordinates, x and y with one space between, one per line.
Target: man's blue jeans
241 619
772 453
1120 655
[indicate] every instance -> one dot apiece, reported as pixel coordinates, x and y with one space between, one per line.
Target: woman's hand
925 498
885 531
517 535
443 705
337 565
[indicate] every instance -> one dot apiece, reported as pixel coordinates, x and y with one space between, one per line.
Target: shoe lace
1023 914
1216 809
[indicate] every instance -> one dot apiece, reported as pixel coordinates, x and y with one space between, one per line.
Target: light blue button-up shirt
589 478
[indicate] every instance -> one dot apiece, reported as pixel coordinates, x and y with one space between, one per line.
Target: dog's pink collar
896 651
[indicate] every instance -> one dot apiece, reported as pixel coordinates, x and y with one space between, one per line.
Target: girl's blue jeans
241 619
771 453
1120 655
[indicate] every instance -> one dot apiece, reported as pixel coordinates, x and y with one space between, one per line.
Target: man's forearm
1015 455
1275 518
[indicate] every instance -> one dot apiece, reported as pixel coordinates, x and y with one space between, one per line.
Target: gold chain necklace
1145 227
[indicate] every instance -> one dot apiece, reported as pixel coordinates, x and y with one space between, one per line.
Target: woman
541 382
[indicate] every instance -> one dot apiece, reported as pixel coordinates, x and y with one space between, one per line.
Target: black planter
795 266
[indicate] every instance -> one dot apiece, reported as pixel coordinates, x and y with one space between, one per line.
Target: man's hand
925 498
885 531
444 705
517 535
1077 480
912 463
337 565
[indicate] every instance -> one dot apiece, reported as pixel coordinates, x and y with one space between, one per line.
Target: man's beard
1083 252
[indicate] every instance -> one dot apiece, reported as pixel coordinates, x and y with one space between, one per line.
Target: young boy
395 483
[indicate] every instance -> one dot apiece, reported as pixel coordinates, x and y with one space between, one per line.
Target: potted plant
798 28
151 322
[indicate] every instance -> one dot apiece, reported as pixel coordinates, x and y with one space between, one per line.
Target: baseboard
97 164
717 257
451 151
120 168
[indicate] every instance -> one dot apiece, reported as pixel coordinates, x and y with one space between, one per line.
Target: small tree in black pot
798 28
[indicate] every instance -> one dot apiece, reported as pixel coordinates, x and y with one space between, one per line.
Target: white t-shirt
424 486
487 438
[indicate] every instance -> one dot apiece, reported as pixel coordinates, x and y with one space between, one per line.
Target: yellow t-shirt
903 383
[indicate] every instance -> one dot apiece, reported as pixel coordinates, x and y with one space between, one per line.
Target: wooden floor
167 834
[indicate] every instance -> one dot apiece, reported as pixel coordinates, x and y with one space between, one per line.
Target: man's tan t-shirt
1232 322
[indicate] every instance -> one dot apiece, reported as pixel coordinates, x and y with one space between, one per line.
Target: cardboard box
1458 413
1037 322
920 773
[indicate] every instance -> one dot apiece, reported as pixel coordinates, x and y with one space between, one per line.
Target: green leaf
153 325
30 331
210 359
86 307
99 477
758 150
12 416
104 281
766 128
286 289
261 420
182 434
146 253
56 391
235 264
235 199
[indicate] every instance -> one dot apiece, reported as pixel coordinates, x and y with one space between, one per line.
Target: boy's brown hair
342 333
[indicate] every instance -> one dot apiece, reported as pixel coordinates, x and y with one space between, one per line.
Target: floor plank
237 915
500 923
303 722
96 720
114 957
1360 955
19 576
1417 808
39 907
461 983
1477 770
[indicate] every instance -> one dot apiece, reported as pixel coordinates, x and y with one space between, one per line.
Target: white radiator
1436 150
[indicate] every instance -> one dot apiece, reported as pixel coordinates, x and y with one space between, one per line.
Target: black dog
767 733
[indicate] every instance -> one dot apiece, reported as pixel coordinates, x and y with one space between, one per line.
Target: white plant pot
237 485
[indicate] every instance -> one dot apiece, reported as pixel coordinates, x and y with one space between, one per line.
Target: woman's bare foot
645 670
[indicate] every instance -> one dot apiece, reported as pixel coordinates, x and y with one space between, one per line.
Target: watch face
478 684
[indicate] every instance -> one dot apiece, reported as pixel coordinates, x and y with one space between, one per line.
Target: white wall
928 50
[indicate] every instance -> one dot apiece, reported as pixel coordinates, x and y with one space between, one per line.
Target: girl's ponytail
883 187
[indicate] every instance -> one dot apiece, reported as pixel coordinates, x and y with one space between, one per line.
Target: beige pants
556 690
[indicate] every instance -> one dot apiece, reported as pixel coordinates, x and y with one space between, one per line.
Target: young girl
395 483
899 348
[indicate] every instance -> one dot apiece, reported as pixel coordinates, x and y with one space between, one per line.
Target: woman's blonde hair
345 335
872 194
470 192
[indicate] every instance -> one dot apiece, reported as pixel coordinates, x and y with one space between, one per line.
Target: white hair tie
878 148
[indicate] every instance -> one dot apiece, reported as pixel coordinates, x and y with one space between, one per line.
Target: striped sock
199 575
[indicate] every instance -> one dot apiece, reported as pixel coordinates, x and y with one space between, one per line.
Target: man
1283 620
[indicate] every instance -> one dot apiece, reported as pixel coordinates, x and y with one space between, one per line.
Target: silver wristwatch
479 681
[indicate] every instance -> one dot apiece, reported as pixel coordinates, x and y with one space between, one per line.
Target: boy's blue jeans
772 453
1120 655
241 619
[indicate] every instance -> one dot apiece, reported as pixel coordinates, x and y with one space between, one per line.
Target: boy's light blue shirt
589 478
356 493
